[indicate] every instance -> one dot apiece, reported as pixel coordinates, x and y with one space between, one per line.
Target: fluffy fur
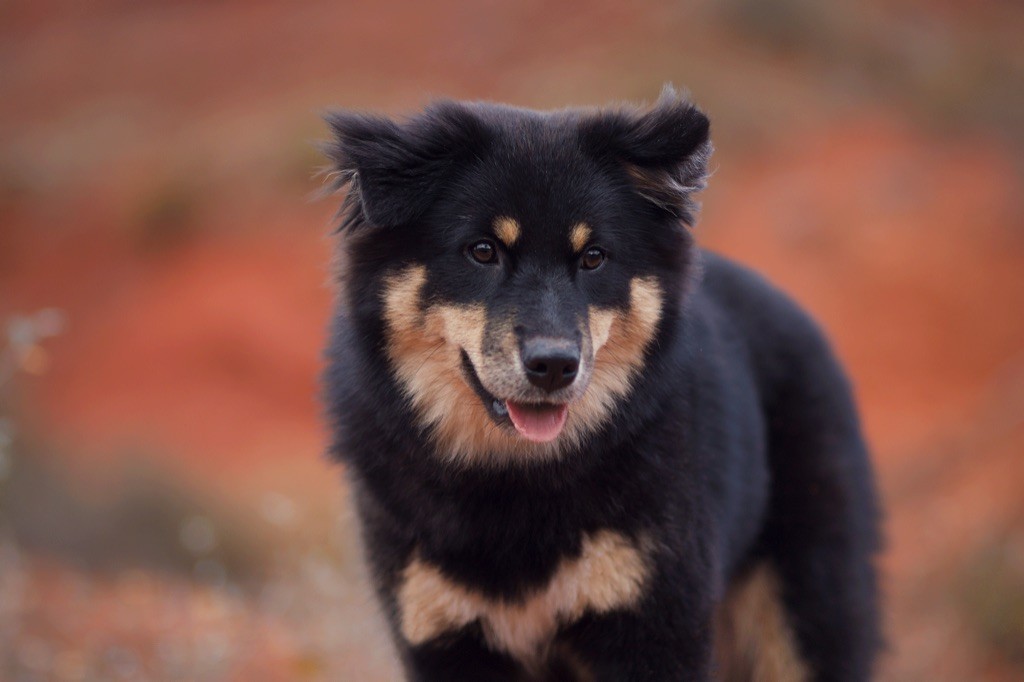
709 471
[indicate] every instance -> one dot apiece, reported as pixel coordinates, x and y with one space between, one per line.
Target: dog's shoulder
748 297
773 328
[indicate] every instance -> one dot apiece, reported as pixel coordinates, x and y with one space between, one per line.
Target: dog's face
521 260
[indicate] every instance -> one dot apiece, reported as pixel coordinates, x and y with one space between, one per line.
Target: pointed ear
394 172
665 150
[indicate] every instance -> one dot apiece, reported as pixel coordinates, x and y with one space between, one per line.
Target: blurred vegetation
992 595
958 75
299 159
135 575
166 216
139 518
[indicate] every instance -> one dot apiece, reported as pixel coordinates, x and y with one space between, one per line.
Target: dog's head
518 263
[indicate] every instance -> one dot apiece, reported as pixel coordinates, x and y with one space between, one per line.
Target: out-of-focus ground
165 508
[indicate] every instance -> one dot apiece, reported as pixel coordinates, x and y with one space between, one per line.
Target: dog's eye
483 252
592 258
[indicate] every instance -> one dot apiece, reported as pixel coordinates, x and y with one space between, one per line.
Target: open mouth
537 422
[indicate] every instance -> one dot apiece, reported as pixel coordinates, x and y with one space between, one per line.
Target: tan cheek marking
410 346
423 347
415 335
600 326
753 638
609 574
402 300
461 326
579 236
645 307
619 339
507 230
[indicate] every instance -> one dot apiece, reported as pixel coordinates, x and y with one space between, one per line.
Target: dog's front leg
458 657
668 637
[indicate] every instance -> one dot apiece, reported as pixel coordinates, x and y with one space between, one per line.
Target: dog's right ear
395 171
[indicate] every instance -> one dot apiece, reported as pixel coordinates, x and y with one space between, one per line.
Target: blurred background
165 508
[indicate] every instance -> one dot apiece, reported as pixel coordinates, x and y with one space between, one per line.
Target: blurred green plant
992 595
23 349
139 518
299 159
950 74
144 520
15 186
165 218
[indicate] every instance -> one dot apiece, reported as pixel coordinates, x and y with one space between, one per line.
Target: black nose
550 363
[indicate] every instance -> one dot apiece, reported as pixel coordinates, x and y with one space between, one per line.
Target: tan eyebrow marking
507 229
619 339
579 236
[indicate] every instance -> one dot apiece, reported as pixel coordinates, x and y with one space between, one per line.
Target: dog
581 447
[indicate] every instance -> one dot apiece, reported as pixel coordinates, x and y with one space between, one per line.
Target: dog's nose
550 364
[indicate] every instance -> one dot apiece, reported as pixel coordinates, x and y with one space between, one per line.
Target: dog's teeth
500 407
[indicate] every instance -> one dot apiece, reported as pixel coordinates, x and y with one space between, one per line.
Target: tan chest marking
609 574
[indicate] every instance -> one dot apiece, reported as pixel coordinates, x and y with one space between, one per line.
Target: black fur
738 442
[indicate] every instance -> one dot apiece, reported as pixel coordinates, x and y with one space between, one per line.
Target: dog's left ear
394 171
665 150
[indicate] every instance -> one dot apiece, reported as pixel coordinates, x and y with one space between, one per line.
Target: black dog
581 447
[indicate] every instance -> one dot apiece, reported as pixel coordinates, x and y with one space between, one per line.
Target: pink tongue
536 423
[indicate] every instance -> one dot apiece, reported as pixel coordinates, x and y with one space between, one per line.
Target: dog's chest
609 574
